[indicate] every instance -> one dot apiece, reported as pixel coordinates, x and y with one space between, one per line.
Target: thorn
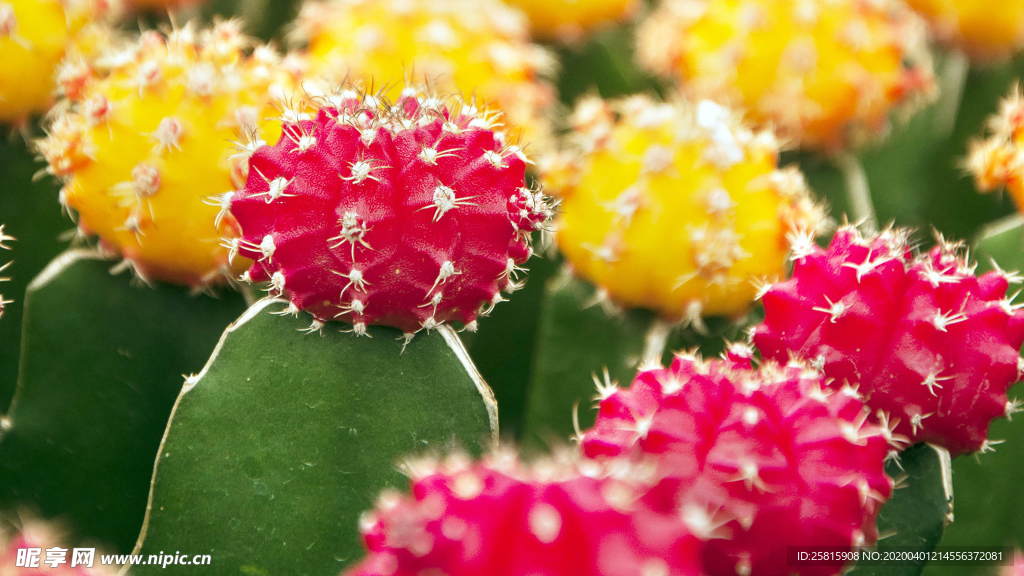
835 310
5 238
916 421
406 338
932 382
1012 407
987 446
942 320
316 326
355 278
605 386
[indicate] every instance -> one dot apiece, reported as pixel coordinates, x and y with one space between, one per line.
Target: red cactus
754 460
933 348
498 518
408 215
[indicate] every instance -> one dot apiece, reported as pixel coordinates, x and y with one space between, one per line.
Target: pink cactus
499 518
37 549
933 348
409 215
754 460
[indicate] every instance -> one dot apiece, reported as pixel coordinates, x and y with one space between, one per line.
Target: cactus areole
932 347
409 214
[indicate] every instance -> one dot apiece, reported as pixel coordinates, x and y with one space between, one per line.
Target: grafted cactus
144 142
951 350
414 213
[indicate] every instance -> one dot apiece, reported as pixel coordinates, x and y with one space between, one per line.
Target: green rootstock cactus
31 213
101 365
283 440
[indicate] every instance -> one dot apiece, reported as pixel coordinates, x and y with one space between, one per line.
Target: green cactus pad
284 439
31 213
577 340
920 509
101 366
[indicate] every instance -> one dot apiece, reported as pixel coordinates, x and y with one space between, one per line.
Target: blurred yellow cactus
161 4
678 208
825 74
571 19
479 48
35 35
147 145
984 29
998 161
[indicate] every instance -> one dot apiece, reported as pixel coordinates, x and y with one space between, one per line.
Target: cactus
751 455
334 413
473 47
671 207
82 432
950 350
144 143
678 208
997 162
499 516
987 506
989 32
921 507
162 5
570 21
414 214
825 74
15 539
35 36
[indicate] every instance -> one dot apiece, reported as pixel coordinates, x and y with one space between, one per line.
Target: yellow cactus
145 144
825 74
475 47
998 161
985 29
570 19
35 35
678 208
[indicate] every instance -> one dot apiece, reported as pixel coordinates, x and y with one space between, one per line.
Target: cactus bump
676 207
945 345
753 458
409 214
557 517
147 139
825 74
